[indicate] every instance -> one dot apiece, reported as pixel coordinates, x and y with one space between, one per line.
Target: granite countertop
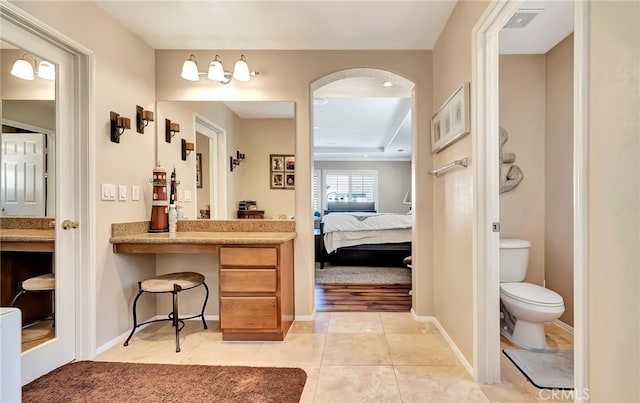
212 238
27 235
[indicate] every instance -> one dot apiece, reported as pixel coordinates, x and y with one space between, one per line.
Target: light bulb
46 70
241 70
216 71
190 69
22 69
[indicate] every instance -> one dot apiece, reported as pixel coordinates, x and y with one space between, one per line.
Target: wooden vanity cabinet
256 291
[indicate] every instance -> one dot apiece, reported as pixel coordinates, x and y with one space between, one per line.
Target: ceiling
361 117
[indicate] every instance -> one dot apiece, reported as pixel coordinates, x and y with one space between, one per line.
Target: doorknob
67 224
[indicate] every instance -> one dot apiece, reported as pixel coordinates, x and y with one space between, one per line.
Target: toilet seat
531 294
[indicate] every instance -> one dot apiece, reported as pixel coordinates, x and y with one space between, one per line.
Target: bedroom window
315 188
350 186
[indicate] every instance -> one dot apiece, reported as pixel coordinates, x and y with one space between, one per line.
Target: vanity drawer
248 256
248 313
248 280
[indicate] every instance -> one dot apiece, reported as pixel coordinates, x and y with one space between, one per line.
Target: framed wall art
451 122
199 170
282 171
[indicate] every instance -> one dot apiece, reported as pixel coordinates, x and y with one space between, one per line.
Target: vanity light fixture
235 162
118 125
142 118
186 149
170 130
24 69
216 72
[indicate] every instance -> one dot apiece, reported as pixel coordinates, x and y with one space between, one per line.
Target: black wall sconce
186 149
170 130
142 118
118 125
235 162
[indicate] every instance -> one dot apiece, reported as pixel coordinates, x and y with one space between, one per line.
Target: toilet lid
531 293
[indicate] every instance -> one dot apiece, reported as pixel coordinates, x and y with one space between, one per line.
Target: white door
23 174
62 348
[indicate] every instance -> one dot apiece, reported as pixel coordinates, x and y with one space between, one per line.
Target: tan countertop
27 240
211 238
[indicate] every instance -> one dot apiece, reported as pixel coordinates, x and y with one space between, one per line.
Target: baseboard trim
563 325
306 318
463 360
122 337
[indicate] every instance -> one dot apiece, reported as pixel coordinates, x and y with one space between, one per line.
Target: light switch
107 191
135 192
180 195
122 192
187 195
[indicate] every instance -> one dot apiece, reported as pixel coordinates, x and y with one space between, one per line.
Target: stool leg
18 295
135 318
176 290
206 298
53 308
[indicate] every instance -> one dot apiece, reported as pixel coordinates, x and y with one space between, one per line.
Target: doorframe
485 119
84 136
217 139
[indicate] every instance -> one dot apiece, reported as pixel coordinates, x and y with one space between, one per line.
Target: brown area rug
94 381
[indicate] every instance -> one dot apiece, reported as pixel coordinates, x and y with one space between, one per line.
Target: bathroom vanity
255 268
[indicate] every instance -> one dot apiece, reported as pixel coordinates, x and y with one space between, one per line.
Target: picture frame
199 170
282 171
452 121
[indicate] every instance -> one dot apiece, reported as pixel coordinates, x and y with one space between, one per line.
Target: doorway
486 152
362 173
72 246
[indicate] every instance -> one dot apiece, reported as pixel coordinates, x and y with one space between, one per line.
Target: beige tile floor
349 357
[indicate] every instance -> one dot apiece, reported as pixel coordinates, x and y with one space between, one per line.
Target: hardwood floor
363 298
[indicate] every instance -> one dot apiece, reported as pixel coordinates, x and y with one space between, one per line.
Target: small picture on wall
290 181
277 180
282 171
277 162
451 122
199 170
290 163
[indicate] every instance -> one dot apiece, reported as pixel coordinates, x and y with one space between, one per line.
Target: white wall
394 180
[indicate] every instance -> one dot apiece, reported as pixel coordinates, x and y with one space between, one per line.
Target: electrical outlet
122 192
180 195
187 195
135 192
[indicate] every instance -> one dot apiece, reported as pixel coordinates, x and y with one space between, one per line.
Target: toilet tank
514 259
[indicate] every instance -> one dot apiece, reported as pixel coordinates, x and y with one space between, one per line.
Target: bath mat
546 369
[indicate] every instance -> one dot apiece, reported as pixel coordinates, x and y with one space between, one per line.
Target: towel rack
463 162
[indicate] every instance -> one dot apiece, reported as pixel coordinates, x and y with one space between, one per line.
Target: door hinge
495 227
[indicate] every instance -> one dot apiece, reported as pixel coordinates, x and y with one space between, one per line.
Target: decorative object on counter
452 121
244 205
180 212
282 168
143 118
159 204
173 218
251 214
118 125
514 175
235 162
173 194
170 130
216 71
186 149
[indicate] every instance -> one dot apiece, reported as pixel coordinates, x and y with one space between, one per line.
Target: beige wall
614 202
558 180
453 192
522 115
259 138
286 76
394 180
121 83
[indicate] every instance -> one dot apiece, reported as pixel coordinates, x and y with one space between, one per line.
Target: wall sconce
216 72
170 130
186 149
235 162
118 126
24 69
142 118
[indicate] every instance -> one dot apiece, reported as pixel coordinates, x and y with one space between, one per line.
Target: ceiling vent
522 18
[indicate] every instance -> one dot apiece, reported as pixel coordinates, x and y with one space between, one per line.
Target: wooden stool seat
165 282
45 282
172 283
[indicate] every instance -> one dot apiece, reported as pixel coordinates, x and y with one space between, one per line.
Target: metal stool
45 282
170 283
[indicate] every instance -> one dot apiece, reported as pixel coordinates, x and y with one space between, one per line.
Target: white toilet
525 307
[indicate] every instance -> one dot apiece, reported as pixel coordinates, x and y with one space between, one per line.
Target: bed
354 233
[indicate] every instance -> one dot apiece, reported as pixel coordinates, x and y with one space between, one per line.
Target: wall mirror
230 161
28 185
